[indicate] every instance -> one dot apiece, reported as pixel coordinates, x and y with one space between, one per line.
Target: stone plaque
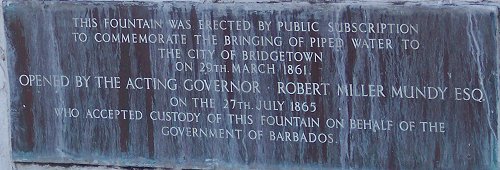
254 85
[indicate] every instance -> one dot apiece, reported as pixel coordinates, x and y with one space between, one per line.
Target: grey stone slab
452 48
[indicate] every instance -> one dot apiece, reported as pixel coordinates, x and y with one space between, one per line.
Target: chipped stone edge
5 145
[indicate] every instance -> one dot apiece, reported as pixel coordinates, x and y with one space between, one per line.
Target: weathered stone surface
458 48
